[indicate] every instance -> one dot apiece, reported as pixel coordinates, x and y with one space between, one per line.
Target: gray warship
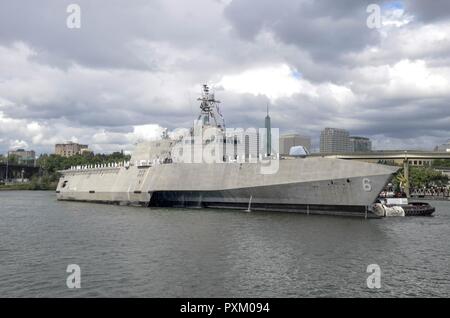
241 171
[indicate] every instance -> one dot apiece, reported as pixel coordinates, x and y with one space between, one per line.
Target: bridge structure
16 171
404 155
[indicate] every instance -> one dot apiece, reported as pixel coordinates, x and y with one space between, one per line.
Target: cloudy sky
137 66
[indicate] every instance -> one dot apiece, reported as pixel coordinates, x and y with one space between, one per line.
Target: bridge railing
433 193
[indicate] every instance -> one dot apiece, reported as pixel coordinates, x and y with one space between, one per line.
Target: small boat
418 209
401 207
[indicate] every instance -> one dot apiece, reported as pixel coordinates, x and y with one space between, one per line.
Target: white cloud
147 132
282 81
18 144
416 41
273 81
404 79
396 17
112 84
415 75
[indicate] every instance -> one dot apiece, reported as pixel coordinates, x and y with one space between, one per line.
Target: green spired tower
268 134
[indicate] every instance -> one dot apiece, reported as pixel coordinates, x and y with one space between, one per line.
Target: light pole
7 164
406 174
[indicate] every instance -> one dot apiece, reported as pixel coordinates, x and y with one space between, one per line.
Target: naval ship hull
307 185
297 197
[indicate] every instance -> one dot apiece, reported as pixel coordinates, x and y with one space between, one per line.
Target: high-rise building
335 140
287 141
69 149
360 144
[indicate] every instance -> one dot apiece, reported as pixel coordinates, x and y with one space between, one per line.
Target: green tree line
50 164
421 177
441 163
48 176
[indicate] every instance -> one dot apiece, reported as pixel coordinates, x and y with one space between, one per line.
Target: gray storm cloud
134 67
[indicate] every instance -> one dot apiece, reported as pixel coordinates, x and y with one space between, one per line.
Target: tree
13 159
51 164
421 177
441 163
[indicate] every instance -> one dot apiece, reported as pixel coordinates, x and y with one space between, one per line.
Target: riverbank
28 186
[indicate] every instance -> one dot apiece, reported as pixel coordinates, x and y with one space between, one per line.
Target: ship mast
210 114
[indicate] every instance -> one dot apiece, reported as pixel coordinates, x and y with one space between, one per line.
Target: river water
147 252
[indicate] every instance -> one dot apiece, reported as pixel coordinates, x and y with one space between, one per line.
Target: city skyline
322 66
305 141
